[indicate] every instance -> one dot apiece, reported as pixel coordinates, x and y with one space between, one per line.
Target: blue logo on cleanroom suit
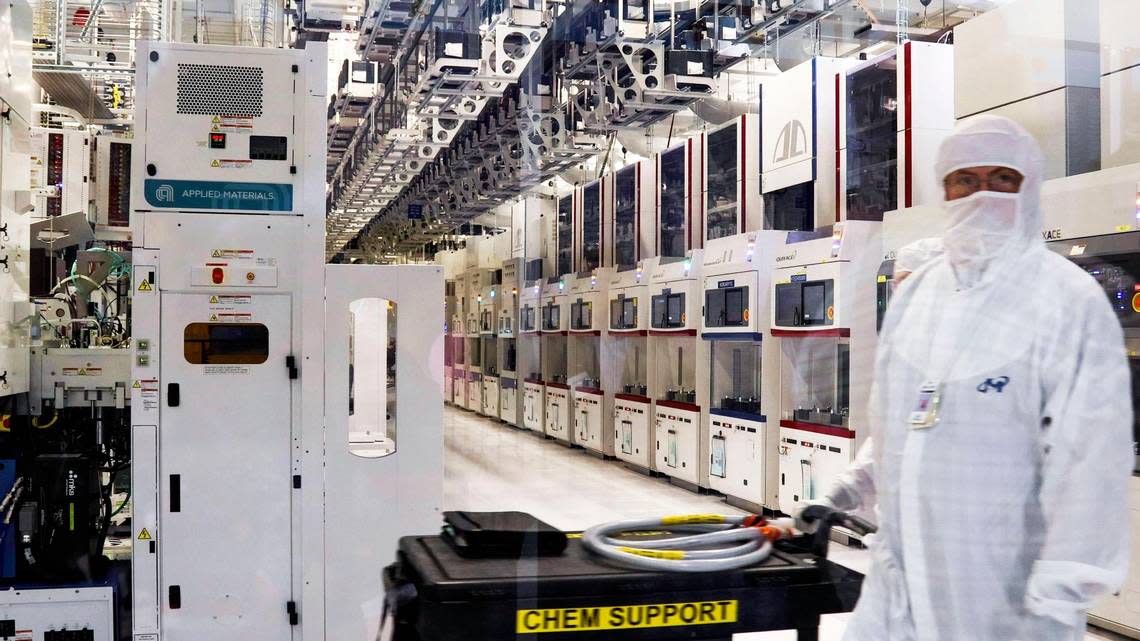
998 384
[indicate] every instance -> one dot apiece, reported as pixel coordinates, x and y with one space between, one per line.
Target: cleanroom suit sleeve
1087 461
855 488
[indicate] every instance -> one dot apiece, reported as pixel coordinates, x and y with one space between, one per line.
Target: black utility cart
551 588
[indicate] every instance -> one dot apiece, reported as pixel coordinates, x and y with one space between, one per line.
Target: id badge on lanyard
925 412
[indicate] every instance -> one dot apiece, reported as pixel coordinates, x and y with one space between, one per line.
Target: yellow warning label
213 317
144 286
215 128
668 555
573 535
216 119
692 519
619 617
215 163
214 300
137 385
144 535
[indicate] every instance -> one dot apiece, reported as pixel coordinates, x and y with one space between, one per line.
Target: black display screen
669 311
725 307
815 303
676 310
788 304
734 306
580 316
623 313
551 317
804 304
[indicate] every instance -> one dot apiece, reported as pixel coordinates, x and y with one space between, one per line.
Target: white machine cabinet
530 364
266 408
16 88
459 344
675 312
627 365
823 313
555 312
476 280
510 392
489 306
450 302
587 303
84 613
744 381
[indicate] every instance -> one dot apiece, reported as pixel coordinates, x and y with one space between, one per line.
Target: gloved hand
806 526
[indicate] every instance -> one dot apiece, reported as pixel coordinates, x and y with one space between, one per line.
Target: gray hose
717 542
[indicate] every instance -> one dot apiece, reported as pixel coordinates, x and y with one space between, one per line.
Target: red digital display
217 141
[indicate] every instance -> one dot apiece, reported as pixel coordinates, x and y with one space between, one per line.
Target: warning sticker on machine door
144 535
148 392
230 163
232 123
618 617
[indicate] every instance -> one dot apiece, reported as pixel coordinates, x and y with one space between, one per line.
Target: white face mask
979 227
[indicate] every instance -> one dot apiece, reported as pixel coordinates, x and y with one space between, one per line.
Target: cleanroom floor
489 465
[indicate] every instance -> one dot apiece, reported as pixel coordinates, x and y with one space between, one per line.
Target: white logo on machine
792 142
164 194
786 257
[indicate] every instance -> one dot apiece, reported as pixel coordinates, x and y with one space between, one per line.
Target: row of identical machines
737 358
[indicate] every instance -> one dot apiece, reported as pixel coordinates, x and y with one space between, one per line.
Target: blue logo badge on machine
226 196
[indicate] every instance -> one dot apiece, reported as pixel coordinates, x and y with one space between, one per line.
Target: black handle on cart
828 518
399 599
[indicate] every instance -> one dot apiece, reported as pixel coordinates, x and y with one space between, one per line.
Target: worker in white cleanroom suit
914 255
1000 420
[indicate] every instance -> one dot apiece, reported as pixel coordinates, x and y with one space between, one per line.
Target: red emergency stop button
1136 303
218 275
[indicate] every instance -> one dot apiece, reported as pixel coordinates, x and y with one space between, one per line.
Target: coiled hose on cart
710 542
701 542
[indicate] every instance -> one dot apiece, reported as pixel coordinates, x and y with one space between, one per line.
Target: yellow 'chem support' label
619 617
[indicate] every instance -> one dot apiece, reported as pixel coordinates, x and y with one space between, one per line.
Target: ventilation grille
219 90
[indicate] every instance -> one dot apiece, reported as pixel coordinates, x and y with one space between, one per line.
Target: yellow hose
54 418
